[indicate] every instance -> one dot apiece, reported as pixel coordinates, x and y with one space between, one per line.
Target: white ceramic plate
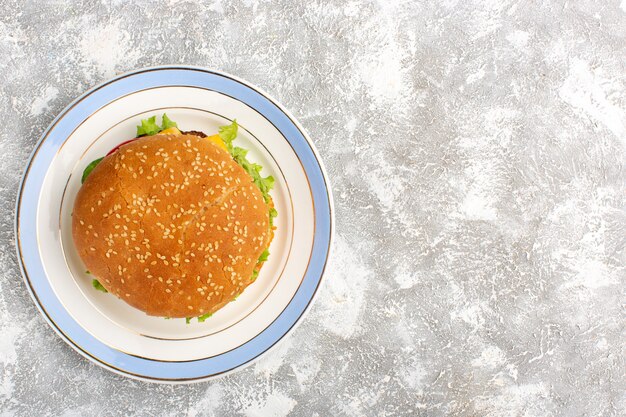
105 329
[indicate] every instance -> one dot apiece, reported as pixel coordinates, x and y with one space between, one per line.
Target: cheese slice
216 139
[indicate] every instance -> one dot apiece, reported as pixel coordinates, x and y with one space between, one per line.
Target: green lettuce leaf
273 214
96 284
90 168
228 134
167 123
264 256
265 184
203 317
148 127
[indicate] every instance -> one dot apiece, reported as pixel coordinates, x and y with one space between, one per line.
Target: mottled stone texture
476 151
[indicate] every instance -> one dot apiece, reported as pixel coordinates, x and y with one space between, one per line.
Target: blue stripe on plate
32 183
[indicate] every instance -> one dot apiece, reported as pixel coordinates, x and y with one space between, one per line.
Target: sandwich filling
224 140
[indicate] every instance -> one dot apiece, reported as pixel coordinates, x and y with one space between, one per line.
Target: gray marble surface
477 155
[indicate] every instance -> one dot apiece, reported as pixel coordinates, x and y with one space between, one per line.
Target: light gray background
476 151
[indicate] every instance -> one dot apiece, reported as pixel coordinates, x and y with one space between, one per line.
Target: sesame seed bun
172 225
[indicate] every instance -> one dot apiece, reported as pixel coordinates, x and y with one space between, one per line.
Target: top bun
171 224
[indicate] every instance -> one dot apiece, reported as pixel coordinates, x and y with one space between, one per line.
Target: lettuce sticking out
90 168
273 214
150 127
203 317
228 134
167 123
264 256
265 184
96 284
